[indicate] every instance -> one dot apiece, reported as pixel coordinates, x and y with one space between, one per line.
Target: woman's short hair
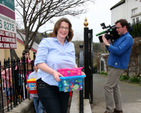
57 26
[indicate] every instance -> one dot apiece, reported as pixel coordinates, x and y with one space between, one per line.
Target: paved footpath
131 95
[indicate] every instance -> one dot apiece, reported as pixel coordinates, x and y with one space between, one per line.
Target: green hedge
136 30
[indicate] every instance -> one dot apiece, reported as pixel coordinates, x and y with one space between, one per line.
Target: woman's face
63 30
26 55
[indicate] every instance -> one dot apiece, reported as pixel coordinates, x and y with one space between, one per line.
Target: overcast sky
98 13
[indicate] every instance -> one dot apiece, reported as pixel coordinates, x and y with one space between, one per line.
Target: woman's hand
57 75
83 73
44 67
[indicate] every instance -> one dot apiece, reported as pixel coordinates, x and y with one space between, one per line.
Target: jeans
38 105
9 91
52 100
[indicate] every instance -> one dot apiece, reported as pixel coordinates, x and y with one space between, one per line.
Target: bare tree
36 13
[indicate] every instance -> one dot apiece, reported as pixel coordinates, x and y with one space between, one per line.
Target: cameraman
119 54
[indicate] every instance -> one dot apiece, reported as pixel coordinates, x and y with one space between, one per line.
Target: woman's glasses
64 28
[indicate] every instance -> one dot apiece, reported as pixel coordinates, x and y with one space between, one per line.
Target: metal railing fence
13 78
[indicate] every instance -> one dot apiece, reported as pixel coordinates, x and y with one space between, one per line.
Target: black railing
81 108
13 78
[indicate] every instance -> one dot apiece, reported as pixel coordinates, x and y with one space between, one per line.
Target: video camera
110 33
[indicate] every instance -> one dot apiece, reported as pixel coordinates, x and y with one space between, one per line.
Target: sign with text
7 25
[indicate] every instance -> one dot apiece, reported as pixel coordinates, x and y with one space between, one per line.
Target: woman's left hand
83 73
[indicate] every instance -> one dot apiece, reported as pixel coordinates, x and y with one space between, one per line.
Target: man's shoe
118 111
108 112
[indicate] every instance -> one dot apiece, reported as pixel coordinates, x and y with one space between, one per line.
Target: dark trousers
52 100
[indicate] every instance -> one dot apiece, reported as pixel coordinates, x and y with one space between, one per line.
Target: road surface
131 95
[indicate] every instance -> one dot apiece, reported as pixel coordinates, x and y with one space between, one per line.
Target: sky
97 13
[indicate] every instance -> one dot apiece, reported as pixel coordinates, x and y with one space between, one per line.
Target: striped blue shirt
56 56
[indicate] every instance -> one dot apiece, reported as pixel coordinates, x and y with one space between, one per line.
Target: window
134 11
133 21
137 19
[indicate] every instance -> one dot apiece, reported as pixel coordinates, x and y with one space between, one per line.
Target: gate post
88 60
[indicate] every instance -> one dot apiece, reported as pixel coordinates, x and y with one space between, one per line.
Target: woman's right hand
44 67
57 75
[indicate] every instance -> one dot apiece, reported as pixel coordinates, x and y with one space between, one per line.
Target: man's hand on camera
109 41
105 41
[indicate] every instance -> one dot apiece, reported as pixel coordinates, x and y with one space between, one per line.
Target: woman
55 52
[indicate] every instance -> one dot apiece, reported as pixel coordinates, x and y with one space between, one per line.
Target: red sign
7 25
7 40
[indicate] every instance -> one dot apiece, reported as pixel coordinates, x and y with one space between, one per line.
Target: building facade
127 9
103 62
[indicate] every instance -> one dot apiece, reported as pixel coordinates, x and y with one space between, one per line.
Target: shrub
135 79
103 73
124 77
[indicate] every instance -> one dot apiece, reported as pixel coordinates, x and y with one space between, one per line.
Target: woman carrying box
55 52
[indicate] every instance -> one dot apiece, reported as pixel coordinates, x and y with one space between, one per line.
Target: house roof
118 4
